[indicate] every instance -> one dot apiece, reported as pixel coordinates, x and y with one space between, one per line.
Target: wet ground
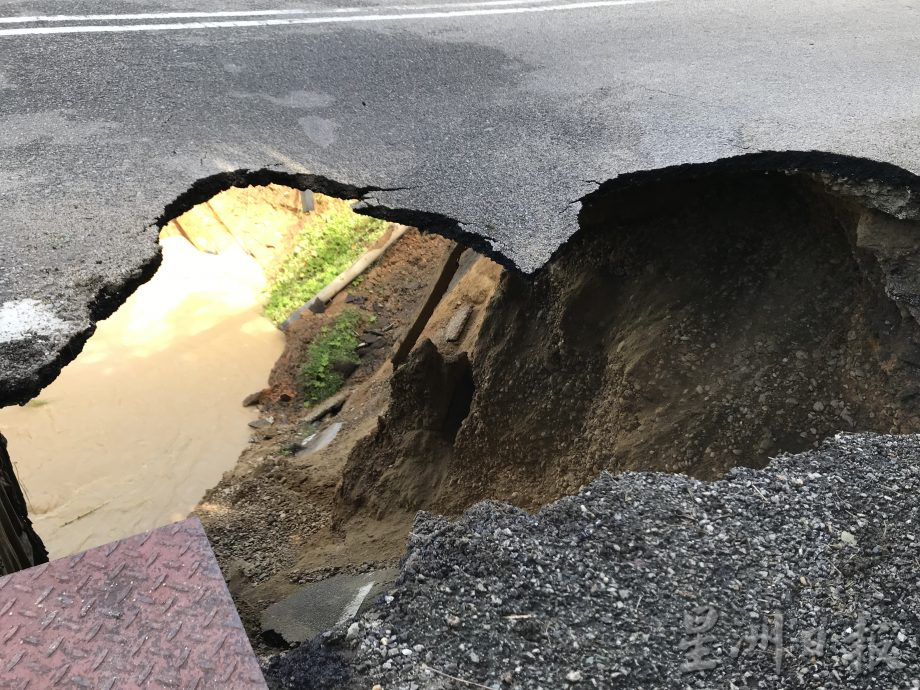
148 417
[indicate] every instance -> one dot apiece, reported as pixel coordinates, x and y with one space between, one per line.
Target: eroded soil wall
690 327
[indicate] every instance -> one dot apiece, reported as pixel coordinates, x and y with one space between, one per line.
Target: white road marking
351 610
162 15
250 13
347 19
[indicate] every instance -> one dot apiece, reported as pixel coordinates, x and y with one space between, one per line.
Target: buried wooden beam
438 288
318 304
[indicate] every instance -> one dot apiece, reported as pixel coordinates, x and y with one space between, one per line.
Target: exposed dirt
710 324
262 221
270 519
689 328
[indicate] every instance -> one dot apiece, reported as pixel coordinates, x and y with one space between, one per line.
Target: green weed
334 343
328 244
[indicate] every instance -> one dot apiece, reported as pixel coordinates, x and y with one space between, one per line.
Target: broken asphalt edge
880 185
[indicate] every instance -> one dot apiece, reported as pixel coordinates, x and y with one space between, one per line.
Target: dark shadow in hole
461 397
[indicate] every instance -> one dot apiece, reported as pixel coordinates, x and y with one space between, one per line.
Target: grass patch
329 242
337 342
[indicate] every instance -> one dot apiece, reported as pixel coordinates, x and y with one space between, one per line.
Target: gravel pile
801 575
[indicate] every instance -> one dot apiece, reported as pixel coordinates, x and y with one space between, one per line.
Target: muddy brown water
148 417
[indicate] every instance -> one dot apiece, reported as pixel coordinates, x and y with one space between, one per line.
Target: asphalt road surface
488 120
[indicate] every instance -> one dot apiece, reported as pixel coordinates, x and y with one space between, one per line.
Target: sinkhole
693 324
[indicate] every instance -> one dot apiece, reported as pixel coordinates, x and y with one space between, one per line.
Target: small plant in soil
331 356
329 242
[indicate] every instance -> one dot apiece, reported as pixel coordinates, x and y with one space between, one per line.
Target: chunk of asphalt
320 440
321 606
317 306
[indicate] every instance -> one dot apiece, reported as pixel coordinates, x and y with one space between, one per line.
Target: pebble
757 543
352 631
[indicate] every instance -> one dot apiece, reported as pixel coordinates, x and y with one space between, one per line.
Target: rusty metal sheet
150 611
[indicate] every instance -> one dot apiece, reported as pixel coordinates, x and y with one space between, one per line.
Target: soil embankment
690 329
270 519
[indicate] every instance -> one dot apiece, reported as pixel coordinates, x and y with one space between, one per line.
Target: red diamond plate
150 611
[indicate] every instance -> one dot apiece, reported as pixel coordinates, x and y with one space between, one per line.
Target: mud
270 519
138 427
147 418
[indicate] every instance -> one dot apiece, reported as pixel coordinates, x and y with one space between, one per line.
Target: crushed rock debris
801 575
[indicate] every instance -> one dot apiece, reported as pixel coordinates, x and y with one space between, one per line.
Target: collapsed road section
689 327
693 325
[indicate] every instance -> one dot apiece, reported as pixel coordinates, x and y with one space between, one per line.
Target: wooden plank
438 288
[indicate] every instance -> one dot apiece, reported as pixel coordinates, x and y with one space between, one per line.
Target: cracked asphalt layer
488 127
801 575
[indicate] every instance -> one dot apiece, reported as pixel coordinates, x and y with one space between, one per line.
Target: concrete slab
321 606
320 440
150 611
457 323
